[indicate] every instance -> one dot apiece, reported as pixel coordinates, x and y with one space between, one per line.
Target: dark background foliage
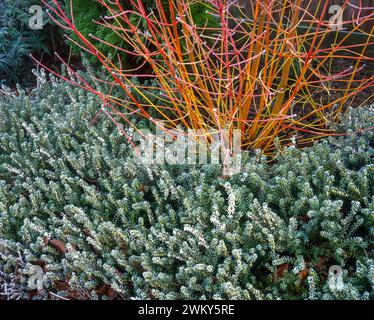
18 41
87 12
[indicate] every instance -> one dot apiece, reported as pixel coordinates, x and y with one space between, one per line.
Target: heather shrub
100 223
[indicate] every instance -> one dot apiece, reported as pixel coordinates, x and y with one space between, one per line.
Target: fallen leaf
110 293
45 240
106 290
58 245
281 271
303 274
102 290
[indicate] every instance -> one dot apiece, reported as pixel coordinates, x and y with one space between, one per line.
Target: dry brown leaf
303 274
58 245
106 290
45 240
281 271
111 293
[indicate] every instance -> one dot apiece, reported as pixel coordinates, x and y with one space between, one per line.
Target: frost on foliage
178 232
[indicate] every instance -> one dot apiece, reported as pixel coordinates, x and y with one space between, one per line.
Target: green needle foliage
88 13
74 201
18 41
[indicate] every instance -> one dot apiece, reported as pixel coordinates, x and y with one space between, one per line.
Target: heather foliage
74 201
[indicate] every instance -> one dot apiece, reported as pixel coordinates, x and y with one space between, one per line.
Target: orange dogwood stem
266 70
